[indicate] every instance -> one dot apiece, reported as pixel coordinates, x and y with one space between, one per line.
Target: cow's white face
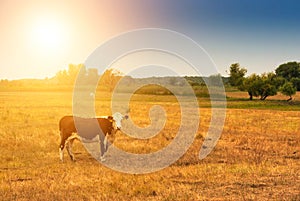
118 117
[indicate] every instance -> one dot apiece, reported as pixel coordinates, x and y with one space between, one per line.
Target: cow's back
88 127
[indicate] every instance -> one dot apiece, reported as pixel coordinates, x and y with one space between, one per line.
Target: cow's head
117 118
111 125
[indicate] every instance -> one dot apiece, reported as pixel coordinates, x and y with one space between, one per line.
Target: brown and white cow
87 129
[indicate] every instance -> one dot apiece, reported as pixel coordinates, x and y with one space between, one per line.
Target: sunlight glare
48 33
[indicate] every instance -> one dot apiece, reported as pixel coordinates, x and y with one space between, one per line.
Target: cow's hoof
102 159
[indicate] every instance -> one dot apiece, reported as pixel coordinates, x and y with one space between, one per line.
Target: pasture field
256 158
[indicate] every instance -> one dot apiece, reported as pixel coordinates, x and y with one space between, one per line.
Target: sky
38 37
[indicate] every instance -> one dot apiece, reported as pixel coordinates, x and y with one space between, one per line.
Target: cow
88 128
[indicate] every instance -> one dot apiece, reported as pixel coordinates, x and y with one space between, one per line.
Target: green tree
288 89
252 84
236 75
261 86
68 76
110 78
270 85
296 82
62 76
73 71
289 70
215 80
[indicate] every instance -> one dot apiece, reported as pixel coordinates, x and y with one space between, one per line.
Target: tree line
285 79
65 79
88 76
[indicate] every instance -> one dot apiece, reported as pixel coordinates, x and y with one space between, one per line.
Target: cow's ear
110 118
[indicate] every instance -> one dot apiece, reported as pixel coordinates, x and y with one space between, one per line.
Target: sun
48 33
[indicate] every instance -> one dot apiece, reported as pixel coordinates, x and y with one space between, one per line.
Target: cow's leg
63 138
69 145
61 154
62 145
105 144
102 148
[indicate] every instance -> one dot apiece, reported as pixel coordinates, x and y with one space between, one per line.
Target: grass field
257 157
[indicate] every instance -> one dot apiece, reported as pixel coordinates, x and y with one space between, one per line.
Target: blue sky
259 35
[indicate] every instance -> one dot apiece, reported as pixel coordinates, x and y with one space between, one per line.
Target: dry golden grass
257 157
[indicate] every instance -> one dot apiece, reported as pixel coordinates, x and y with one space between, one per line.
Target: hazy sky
39 38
